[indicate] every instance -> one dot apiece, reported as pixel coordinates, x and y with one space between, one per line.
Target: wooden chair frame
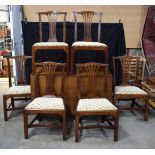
20 68
87 18
50 70
52 19
92 71
129 75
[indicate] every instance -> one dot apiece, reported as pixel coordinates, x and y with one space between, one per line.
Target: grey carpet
134 132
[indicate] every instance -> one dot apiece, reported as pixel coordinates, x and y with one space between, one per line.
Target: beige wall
132 17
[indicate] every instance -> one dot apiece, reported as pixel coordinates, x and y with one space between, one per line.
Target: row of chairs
86 44
90 103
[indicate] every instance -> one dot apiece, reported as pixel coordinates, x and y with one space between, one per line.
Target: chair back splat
131 69
20 69
91 74
50 71
52 17
87 17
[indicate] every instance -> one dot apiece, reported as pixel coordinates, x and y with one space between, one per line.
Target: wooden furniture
87 43
20 90
70 87
149 86
90 102
51 102
52 43
128 90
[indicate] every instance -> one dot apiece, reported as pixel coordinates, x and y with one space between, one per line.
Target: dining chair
87 44
49 102
52 43
129 88
91 102
20 89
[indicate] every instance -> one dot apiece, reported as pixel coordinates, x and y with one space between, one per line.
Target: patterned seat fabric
50 44
44 103
25 89
100 104
86 43
129 90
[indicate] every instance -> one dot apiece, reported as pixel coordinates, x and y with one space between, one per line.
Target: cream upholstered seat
51 44
98 104
129 90
18 90
88 43
44 103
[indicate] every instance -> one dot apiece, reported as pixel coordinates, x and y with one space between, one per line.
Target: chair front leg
76 127
5 108
146 110
64 125
25 124
116 125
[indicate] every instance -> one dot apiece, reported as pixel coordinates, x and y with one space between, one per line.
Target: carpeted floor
134 132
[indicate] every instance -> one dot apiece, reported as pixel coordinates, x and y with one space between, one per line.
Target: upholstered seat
129 90
43 103
99 104
25 89
50 44
87 43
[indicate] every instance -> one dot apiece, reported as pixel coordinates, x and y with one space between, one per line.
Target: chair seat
25 89
100 104
86 43
129 90
50 44
46 103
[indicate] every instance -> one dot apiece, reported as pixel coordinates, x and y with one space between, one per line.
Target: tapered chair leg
76 127
64 126
146 110
5 108
25 125
116 122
